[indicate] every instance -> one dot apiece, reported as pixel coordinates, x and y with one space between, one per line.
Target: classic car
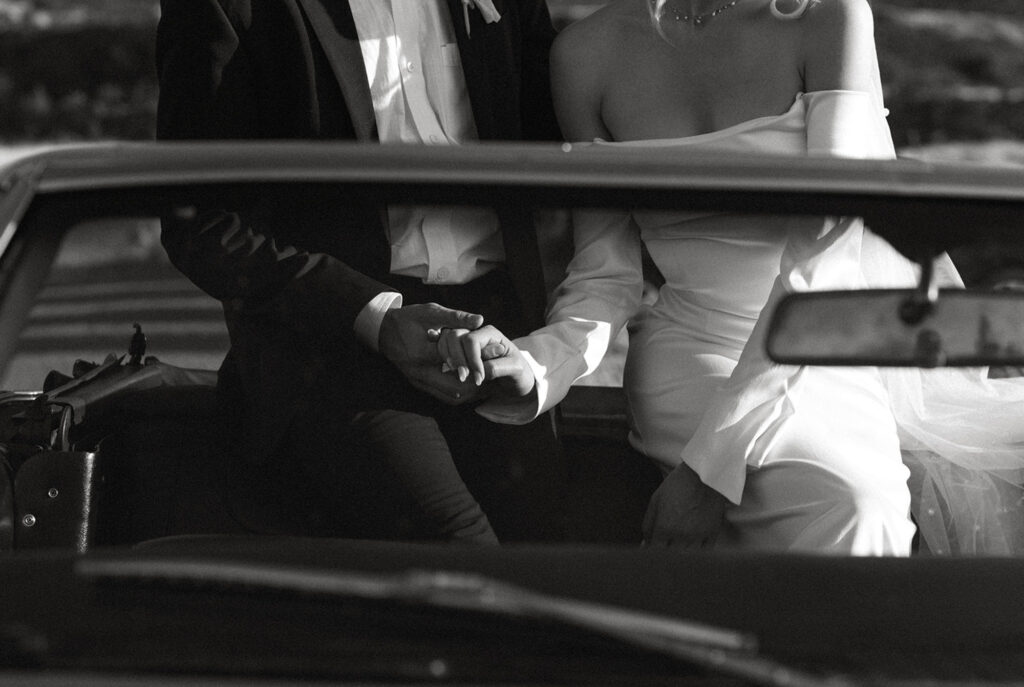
120 564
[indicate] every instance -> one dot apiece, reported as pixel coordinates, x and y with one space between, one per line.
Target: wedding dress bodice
720 268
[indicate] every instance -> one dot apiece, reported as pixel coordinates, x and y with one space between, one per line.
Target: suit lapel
335 29
486 63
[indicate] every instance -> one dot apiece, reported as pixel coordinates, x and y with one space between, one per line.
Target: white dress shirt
420 97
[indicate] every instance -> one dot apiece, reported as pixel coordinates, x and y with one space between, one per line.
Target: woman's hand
684 512
485 354
402 342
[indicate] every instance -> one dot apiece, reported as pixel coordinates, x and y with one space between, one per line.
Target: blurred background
953 70
83 70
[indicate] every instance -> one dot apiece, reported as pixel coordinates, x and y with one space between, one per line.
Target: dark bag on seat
47 490
56 495
56 475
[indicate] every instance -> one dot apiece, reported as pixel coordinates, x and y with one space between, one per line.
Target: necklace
699 19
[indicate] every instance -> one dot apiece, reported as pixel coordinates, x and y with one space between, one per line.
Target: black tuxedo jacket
294 271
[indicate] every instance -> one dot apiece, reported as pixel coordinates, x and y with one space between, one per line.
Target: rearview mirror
894 327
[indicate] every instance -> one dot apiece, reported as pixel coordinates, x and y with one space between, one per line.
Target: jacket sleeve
601 291
208 90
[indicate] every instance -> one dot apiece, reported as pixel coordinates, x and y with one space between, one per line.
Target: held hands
684 512
403 340
484 354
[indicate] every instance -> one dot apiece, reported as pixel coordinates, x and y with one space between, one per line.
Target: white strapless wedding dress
701 390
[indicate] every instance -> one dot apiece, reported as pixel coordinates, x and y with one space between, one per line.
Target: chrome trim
18 396
19 188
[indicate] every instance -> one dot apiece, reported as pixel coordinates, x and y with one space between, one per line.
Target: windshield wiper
720 650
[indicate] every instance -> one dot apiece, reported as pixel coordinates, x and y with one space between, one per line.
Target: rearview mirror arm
922 301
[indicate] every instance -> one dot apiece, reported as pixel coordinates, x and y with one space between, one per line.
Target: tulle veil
961 434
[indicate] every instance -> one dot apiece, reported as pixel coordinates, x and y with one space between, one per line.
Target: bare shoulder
592 38
582 58
838 19
598 46
839 46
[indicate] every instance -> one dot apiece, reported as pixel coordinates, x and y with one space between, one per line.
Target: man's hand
404 341
485 354
684 512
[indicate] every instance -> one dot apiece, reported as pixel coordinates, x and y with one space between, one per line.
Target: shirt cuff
368 321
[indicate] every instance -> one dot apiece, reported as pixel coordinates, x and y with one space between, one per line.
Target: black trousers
368 456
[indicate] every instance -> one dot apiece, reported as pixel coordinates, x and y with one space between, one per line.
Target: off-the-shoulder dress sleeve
847 124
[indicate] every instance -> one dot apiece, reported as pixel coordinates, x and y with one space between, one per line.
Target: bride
756 455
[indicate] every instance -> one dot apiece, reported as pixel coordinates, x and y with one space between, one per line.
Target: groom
327 319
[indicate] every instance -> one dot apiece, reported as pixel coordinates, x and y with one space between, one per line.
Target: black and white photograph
512 342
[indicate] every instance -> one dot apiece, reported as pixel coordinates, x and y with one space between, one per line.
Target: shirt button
435 139
442 274
410 67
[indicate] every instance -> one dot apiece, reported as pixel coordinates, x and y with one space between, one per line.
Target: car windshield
123 455
108 274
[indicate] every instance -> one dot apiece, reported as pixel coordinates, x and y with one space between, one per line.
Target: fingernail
463 373
478 377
